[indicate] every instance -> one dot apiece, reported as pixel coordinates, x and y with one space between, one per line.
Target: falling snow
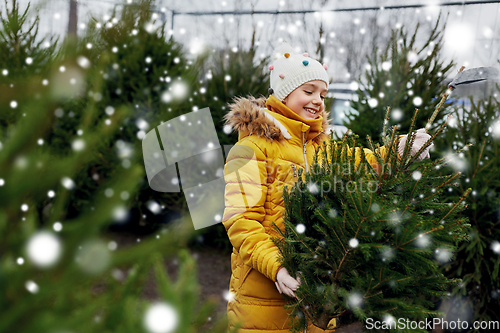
373 102
57 226
78 145
43 249
300 228
31 286
423 241
154 207
353 242
161 318
68 183
355 299
120 213
495 247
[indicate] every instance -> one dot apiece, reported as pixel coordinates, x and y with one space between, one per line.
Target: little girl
277 137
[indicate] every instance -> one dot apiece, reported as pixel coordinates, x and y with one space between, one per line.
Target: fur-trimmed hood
251 116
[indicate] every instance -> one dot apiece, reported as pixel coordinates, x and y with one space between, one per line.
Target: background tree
402 77
60 271
22 51
144 70
478 261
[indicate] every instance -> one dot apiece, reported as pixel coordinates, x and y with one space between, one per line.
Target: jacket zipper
294 167
305 151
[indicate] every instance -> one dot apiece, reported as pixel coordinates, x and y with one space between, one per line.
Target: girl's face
308 100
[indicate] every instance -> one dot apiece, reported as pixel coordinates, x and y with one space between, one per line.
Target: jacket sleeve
245 174
369 155
371 158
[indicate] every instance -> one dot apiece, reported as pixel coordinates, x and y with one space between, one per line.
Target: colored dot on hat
287 55
325 66
305 54
271 67
305 62
282 75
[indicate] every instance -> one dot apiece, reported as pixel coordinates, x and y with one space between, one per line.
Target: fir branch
479 158
355 206
410 136
391 144
440 105
384 130
442 184
344 257
418 180
459 201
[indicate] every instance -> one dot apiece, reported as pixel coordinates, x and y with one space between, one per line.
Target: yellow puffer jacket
274 144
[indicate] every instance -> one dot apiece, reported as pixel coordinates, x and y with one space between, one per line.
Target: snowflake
353 242
154 207
68 183
354 299
397 114
31 286
423 241
417 101
43 249
386 65
78 145
373 102
495 246
57 226
443 255
83 62
300 228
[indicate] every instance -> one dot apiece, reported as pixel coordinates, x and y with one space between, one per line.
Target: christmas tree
478 261
20 48
403 77
60 273
125 62
22 52
368 243
60 270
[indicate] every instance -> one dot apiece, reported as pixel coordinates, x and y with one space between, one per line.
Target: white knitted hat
290 70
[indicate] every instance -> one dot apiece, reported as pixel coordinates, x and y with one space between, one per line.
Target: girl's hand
421 138
285 283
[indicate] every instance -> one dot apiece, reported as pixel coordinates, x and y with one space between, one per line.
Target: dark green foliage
133 65
19 41
48 156
477 262
370 244
413 73
72 295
